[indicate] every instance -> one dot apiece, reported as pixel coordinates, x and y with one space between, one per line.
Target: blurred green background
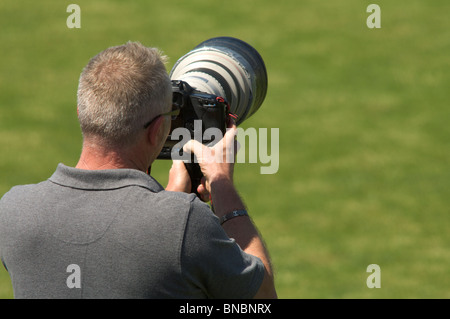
363 117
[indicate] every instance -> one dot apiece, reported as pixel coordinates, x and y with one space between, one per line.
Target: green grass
363 117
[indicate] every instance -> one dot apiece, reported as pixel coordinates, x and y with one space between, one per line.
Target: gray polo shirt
118 234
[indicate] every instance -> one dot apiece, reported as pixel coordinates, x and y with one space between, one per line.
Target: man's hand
217 162
179 181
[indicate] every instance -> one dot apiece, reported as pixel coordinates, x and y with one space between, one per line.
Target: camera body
194 105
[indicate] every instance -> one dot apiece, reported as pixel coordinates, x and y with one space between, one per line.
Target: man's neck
96 158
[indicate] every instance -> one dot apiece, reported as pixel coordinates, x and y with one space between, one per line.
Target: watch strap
233 214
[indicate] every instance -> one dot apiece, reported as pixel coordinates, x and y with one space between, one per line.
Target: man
106 229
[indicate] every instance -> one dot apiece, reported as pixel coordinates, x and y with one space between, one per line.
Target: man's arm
225 199
244 232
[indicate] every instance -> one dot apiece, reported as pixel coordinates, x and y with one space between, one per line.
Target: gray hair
121 89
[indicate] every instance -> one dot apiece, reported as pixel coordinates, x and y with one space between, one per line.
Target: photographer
106 229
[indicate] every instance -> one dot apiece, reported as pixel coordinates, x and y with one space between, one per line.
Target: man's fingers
231 133
196 148
223 152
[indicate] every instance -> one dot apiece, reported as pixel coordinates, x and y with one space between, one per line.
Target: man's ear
155 131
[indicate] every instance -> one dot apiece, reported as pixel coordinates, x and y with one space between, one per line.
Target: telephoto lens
218 77
226 67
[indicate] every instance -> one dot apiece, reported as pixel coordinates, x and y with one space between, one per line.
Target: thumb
177 164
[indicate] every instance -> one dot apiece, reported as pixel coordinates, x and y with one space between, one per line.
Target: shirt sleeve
215 263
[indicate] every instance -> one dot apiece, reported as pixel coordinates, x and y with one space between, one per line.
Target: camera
209 110
221 76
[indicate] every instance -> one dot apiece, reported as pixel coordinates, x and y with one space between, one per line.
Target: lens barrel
227 67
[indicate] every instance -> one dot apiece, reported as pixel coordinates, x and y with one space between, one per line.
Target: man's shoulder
23 192
171 204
